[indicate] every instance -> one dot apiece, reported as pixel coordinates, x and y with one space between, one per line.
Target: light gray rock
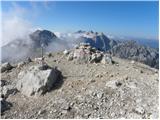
154 115
8 89
100 94
70 57
133 62
49 55
76 46
29 60
139 110
92 81
81 56
97 57
65 106
112 84
65 52
5 67
107 59
35 81
41 112
21 64
93 58
3 82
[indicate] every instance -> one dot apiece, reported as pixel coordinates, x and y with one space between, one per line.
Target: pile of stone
84 53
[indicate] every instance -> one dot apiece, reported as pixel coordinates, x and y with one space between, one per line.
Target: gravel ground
122 90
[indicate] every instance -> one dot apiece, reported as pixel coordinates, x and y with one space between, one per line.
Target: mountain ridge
100 41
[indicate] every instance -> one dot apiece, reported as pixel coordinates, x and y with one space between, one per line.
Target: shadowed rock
4 105
5 67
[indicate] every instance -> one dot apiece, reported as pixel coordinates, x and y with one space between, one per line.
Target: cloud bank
14 25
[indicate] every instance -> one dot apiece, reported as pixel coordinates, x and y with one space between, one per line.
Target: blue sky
135 19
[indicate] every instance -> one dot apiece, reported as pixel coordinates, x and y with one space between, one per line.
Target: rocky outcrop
131 50
4 105
5 67
107 59
8 90
34 81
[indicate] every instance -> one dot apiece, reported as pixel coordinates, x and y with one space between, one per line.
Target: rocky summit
79 83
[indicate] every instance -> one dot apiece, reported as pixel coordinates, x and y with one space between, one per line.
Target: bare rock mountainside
133 51
82 82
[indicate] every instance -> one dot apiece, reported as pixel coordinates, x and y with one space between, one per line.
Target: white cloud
14 24
14 28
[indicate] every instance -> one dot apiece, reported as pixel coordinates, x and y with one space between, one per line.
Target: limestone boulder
33 82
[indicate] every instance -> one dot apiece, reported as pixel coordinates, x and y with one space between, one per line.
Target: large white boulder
35 81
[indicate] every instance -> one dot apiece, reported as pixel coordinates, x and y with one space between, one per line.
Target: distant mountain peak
44 32
80 31
42 37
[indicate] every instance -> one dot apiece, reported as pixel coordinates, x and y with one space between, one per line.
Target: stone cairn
84 53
